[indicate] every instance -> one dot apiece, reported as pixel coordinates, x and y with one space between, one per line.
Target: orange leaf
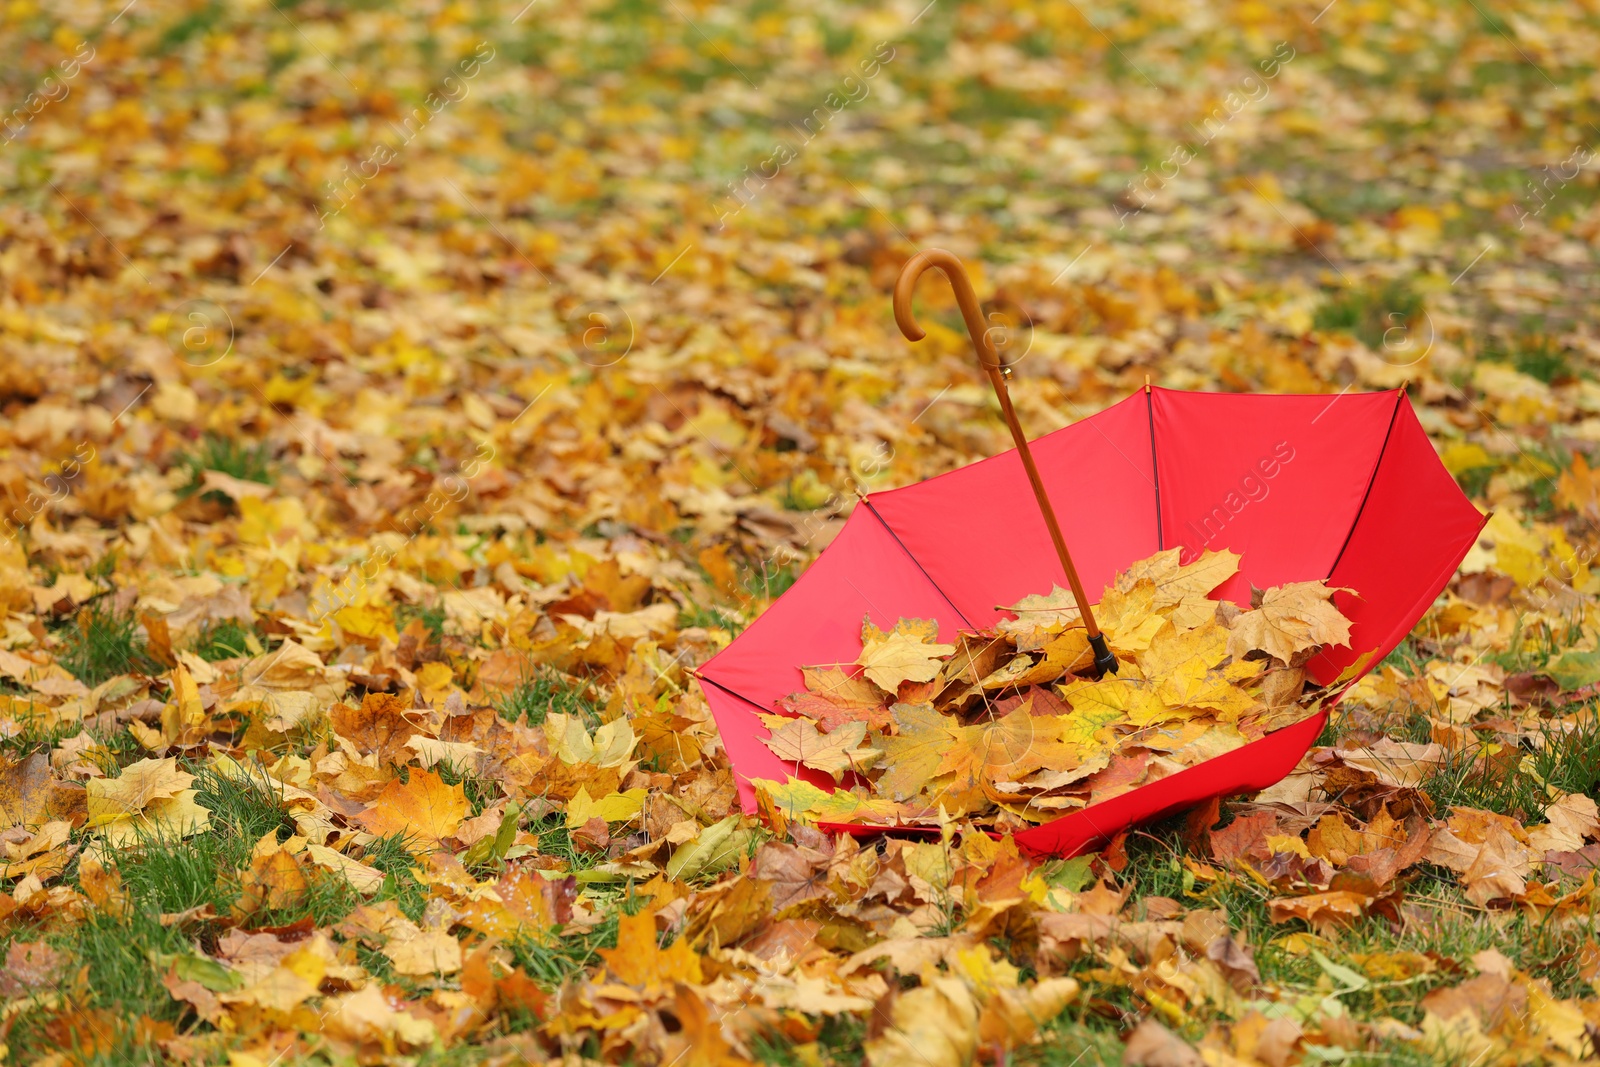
425 809
639 960
273 880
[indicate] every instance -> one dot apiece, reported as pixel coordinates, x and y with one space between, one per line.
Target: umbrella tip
1147 383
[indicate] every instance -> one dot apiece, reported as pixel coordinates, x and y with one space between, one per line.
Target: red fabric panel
741 733
816 622
1244 770
978 531
1277 479
1412 535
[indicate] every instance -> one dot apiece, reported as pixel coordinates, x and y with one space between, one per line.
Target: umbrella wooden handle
967 301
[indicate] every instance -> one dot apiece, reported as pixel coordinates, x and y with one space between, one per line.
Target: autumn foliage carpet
397 403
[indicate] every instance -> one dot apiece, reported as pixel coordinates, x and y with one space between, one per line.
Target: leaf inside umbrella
908 653
1000 726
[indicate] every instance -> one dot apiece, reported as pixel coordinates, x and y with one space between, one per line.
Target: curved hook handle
966 299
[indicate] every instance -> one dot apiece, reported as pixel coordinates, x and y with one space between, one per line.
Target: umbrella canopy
1345 488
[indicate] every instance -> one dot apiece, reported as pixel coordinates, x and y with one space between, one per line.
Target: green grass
555 840
101 644
1530 348
1553 761
546 691
195 24
1542 358
1072 1040
1570 763
225 639
709 617
125 953
1369 312
769 583
217 453
116 951
1455 928
432 617
1532 649
1406 657
1474 481
400 884
43 728
480 792
841 1040
553 962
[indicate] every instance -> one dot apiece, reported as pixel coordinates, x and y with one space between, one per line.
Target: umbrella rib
706 679
1371 481
733 693
894 534
1155 470
1435 587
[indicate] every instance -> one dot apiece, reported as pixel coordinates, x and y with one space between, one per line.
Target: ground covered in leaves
398 404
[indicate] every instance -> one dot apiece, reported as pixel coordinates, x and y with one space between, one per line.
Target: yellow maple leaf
1212 690
613 807
914 751
272 879
367 620
434 681
1291 618
165 819
1008 748
134 789
369 1016
1200 577
791 797
921 629
1053 611
1182 665
610 746
1097 705
908 653
1062 654
799 741
1130 619
419 952
842 805
1192 611
935 1024
1205 646
366 880
186 695
1213 740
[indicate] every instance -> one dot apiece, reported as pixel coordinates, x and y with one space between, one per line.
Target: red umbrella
1346 488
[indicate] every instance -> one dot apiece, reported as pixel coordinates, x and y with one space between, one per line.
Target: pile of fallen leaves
1007 726
398 403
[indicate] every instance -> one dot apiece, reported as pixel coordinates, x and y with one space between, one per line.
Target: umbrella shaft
972 314
997 379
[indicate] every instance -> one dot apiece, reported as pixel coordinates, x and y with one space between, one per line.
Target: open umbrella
1346 488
